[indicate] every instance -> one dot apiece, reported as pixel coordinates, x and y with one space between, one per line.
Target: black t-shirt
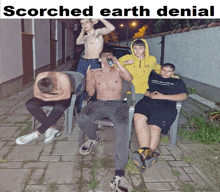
166 86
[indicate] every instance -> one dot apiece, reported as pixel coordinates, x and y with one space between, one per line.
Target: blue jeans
82 68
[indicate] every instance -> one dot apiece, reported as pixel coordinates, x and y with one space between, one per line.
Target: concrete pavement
57 166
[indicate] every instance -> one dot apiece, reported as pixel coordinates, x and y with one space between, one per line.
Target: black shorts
160 115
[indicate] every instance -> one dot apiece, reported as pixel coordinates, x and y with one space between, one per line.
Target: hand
176 77
156 95
89 74
129 62
95 21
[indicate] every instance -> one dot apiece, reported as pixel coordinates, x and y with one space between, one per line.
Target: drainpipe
162 49
34 53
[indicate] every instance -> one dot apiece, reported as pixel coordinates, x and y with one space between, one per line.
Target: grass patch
131 168
94 183
164 139
53 147
187 187
176 173
26 129
53 187
187 159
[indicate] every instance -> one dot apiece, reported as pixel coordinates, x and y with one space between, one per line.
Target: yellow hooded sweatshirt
141 69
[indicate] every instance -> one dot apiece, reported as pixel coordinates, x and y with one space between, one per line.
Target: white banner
141 9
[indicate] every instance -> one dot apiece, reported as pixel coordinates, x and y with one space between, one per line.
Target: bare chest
111 79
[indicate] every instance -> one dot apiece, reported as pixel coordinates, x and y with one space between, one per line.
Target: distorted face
139 51
166 72
104 56
86 24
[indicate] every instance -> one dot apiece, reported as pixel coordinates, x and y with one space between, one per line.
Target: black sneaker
120 184
150 161
86 148
144 158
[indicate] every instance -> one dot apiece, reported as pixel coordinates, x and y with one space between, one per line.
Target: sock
145 152
119 173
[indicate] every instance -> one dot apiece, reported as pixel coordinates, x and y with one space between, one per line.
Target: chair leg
131 114
66 121
33 123
173 131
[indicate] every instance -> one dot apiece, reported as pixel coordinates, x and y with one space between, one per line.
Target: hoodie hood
146 48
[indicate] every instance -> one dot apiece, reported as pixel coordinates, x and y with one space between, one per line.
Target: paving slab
62 172
7 131
182 174
159 172
16 118
159 186
4 109
15 181
25 153
36 176
66 148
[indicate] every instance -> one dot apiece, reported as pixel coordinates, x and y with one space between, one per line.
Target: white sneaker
86 148
26 138
48 131
50 135
120 184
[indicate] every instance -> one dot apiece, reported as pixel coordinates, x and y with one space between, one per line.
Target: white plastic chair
174 126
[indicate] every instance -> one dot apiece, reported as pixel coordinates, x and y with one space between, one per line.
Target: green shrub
203 131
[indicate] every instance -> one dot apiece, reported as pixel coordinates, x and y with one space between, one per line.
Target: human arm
81 38
157 67
90 81
105 30
122 71
160 96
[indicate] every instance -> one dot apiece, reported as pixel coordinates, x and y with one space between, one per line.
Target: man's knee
30 104
60 108
155 128
139 118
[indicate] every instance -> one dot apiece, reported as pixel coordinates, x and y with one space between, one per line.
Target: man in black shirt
155 113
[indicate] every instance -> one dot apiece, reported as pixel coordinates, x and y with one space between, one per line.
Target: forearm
108 25
80 40
176 97
124 72
90 89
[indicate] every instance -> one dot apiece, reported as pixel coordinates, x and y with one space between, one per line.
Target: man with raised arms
93 40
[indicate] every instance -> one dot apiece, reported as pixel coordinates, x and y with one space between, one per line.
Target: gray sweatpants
117 113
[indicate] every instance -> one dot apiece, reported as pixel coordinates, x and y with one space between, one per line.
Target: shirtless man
50 88
93 42
107 82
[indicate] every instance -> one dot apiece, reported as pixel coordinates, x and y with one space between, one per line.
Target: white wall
42 42
11 63
196 54
155 47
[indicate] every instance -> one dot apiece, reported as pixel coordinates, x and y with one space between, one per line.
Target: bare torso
56 78
93 46
108 84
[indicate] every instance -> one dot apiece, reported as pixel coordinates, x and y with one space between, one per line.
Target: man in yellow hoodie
140 64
